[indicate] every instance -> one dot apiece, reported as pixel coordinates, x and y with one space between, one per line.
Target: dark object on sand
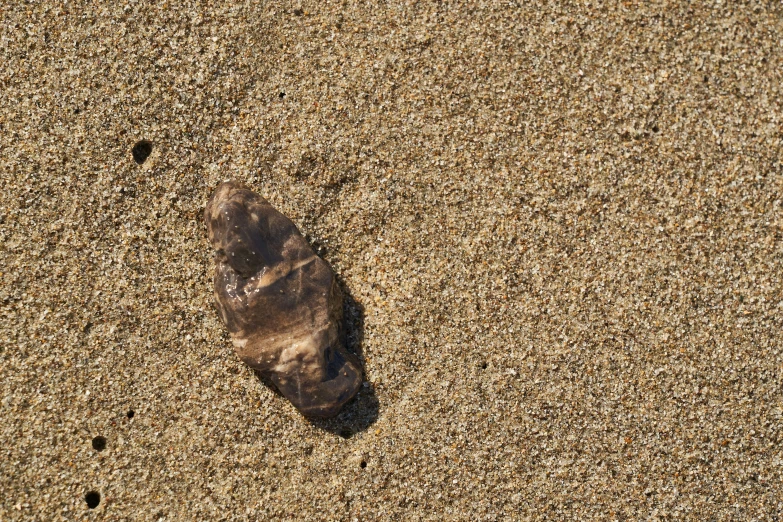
280 302
141 151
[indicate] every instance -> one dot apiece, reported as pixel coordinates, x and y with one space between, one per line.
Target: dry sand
560 226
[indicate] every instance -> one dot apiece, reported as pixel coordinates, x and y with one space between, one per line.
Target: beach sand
559 229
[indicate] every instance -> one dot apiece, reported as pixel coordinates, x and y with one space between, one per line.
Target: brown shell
280 302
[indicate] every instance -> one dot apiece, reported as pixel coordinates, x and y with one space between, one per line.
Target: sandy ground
560 228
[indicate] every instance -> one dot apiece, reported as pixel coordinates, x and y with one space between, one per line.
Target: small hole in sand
363 465
93 498
141 151
483 366
99 443
346 433
131 413
281 95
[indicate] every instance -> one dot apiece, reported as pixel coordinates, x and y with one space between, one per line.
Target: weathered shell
280 302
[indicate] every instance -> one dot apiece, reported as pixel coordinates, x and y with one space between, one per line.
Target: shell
280 301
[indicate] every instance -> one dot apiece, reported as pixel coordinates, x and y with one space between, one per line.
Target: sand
559 226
